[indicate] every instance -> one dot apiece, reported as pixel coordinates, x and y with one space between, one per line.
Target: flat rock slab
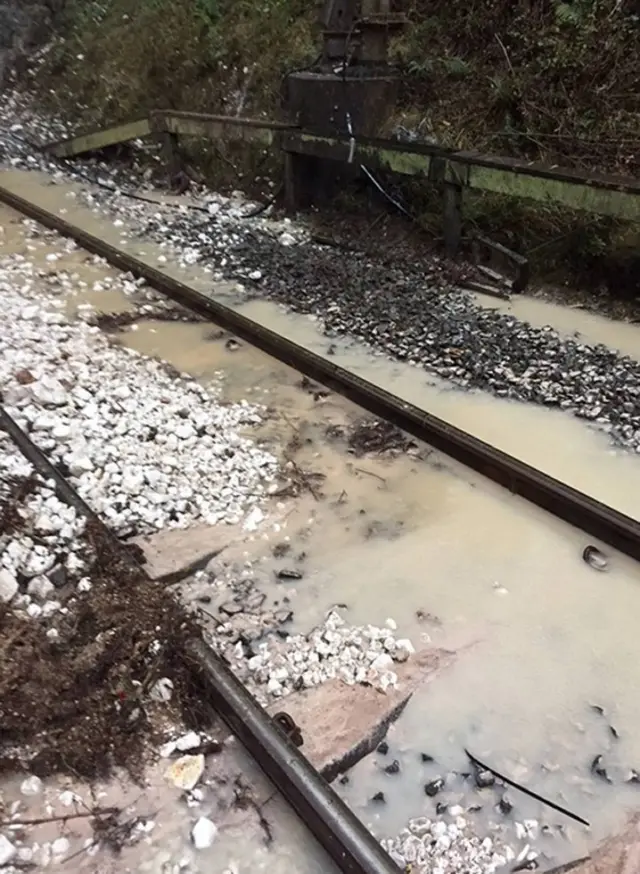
175 553
619 854
341 724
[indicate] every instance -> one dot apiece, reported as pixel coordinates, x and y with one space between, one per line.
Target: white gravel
46 551
437 847
146 450
335 650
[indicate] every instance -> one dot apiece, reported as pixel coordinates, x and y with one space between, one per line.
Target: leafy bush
552 79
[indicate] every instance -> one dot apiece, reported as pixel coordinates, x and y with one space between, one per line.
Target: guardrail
452 170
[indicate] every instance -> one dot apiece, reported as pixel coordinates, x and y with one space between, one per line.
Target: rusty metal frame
602 194
216 127
100 139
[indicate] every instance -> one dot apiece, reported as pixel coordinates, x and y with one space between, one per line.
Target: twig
291 424
526 791
218 622
304 477
94 843
264 206
63 817
371 473
506 55
227 161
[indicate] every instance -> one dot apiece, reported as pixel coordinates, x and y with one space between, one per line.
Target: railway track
339 831
334 825
585 513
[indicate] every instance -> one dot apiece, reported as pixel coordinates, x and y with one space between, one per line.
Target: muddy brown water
548 635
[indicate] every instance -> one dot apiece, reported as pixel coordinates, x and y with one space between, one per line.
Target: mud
79 703
113 323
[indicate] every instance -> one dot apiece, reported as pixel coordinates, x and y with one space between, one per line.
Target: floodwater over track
551 440
452 559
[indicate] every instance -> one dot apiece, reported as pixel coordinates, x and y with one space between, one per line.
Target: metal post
300 172
452 217
170 153
291 184
349 843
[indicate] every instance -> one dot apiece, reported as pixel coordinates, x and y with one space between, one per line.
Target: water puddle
570 321
551 440
156 823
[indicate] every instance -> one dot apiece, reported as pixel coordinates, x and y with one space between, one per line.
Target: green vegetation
549 80
116 59
545 79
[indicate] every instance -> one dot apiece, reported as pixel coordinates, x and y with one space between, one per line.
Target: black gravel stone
288 574
58 576
281 549
598 768
254 600
231 608
412 313
393 768
504 805
433 787
383 748
425 757
484 779
379 798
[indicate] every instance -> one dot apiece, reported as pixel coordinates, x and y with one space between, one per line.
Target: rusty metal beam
587 193
373 153
597 193
100 139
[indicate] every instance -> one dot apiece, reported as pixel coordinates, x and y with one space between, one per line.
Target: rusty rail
342 835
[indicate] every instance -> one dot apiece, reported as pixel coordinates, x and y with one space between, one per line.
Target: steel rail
578 509
337 829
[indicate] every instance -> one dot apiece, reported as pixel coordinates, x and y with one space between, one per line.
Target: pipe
344 837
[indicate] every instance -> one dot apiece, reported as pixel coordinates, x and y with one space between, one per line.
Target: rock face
619 854
24 24
342 723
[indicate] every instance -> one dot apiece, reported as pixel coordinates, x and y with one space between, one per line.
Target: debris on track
82 642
